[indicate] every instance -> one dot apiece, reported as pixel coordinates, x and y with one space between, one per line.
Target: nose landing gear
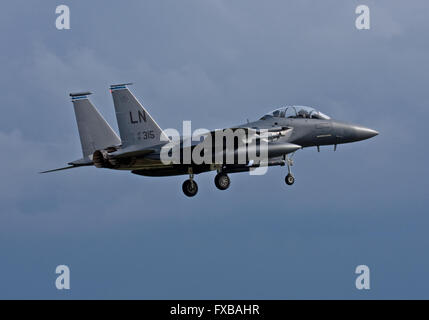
289 179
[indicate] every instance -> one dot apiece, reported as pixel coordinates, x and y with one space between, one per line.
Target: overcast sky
217 63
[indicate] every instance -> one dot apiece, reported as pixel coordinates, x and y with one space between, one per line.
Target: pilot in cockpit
303 114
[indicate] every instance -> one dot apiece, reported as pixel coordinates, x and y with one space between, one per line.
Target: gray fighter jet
139 148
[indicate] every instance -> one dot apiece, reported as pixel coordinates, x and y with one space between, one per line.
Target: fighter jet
141 143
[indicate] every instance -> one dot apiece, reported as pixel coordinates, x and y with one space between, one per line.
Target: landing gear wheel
190 188
289 179
222 181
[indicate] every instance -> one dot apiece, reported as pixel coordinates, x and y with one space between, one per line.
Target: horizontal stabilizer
59 169
74 164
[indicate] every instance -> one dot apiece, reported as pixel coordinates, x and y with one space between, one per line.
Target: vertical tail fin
94 131
136 126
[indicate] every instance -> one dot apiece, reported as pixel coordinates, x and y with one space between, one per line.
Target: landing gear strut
190 187
222 181
289 179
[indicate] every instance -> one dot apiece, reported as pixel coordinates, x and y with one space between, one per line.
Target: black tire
222 181
190 188
289 179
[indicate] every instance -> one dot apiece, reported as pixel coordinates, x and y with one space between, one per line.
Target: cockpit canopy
296 112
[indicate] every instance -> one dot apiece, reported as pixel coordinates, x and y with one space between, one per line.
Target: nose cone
362 133
350 133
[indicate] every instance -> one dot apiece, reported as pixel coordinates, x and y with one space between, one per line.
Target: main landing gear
190 187
222 181
289 179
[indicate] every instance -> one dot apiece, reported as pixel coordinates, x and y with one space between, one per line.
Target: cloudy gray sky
217 63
